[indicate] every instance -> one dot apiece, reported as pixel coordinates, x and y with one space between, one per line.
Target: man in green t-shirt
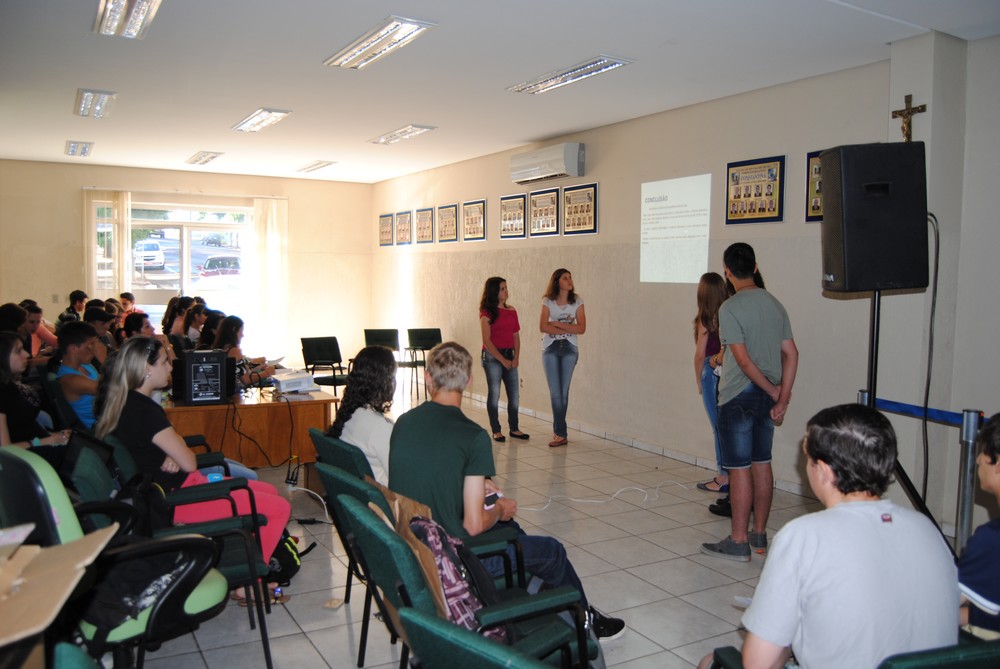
440 458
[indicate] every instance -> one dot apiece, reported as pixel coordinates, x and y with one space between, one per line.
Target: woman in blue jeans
501 350
712 293
563 320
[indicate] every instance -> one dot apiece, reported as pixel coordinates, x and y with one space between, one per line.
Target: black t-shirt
141 420
20 415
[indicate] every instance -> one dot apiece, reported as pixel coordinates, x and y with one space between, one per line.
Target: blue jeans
745 428
495 372
558 360
544 557
710 396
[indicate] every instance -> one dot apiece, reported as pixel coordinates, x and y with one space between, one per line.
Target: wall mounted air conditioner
552 162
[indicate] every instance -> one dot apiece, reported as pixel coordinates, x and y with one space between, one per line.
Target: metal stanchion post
966 478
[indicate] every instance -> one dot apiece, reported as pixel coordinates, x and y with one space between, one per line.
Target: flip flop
275 599
707 486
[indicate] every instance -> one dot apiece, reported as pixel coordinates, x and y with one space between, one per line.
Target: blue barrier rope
937 415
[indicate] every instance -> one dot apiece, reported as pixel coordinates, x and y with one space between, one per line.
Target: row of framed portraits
756 190
570 211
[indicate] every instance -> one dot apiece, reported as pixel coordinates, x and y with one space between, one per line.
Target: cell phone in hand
491 500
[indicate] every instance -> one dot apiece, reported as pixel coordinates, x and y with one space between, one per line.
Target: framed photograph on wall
474 220
425 225
404 228
755 190
512 216
814 188
448 223
385 230
543 212
580 210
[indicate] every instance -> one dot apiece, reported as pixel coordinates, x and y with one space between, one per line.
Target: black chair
324 353
390 339
65 417
421 341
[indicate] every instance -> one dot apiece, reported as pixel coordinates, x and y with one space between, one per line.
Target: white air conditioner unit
552 162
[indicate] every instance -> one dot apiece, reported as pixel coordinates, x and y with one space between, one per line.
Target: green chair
439 644
338 453
30 491
392 566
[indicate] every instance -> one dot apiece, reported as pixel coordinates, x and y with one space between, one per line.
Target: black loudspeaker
204 377
874 217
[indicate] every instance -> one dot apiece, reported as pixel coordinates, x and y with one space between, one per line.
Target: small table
278 423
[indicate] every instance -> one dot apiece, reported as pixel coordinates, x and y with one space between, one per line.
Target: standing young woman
501 351
563 320
712 293
130 414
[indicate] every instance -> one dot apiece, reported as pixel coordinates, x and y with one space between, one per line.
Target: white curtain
106 255
265 272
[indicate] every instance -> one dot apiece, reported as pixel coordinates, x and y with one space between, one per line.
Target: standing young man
758 371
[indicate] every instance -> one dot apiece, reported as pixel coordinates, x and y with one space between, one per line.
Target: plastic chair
442 645
30 491
390 562
324 353
339 453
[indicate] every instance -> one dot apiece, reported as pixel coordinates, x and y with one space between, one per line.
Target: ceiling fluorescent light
203 157
553 80
406 132
95 104
317 165
380 41
125 18
260 119
78 148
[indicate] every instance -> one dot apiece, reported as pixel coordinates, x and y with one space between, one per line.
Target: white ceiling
205 65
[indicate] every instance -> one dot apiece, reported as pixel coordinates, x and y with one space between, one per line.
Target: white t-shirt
565 313
854 584
370 431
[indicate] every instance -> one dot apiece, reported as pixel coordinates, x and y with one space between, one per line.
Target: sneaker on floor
722 508
606 627
728 550
758 542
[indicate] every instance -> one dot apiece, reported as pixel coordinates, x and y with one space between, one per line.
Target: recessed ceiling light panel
75 147
260 119
553 80
125 18
398 135
317 165
203 157
388 36
95 104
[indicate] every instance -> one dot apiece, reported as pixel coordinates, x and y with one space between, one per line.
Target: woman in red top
501 349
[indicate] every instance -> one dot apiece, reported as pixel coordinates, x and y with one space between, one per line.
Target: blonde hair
124 371
450 366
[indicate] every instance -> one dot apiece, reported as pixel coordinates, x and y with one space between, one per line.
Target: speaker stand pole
873 335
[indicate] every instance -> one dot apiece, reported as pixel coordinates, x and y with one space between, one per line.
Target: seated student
74 312
19 423
440 458
361 418
861 580
252 372
127 301
131 415
102 322
209 329
76 373
980 563
43 339
12 317
194 319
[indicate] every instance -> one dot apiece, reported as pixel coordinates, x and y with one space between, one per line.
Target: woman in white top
361 419
562 320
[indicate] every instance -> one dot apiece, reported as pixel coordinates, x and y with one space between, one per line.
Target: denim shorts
745 429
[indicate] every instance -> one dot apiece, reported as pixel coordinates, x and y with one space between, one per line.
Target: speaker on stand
875 236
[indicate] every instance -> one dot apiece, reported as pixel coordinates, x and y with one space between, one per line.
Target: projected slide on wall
674 239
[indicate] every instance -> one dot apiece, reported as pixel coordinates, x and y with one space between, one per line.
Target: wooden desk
278 423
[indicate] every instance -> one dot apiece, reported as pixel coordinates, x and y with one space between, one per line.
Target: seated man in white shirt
861 580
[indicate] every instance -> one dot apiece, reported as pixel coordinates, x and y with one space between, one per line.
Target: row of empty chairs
323 353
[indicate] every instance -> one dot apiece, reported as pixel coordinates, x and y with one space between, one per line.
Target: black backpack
286 560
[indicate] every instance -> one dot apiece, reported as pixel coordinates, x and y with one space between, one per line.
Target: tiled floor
631 521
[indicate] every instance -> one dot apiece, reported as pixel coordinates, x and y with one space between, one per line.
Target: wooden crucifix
907 113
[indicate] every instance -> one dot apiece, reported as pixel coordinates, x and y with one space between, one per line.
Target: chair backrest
441 644
339 453
91 477
30 491
338 482
65 415
985 655
123 459
387 337
388 560
321 350
424 338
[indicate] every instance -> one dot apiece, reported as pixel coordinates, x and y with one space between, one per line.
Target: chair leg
264 641
352 566
363 644
250 595
404 656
